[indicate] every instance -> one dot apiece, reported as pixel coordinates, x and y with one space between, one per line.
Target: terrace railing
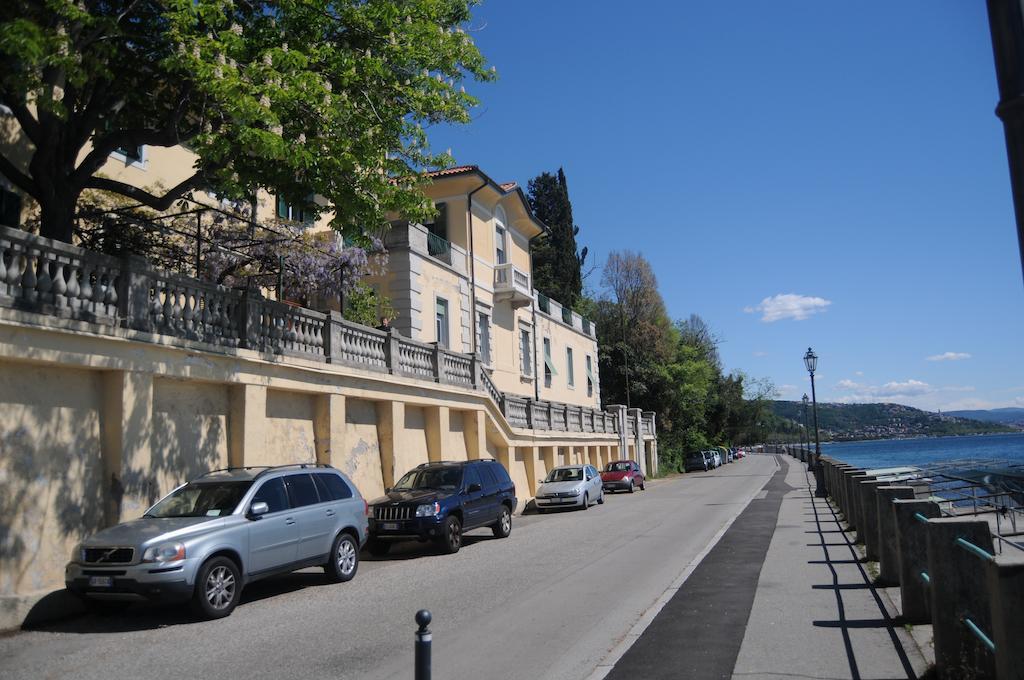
61 281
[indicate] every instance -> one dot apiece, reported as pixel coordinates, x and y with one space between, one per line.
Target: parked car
697 461
569 486
209 538
624 475
439 501
716 457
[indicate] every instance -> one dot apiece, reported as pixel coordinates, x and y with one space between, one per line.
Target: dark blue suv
438 501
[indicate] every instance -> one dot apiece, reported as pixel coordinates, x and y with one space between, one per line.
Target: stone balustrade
58 280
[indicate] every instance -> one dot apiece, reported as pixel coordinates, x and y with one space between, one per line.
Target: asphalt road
551 601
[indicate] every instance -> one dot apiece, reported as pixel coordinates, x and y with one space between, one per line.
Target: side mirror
473 487
387 490
258 509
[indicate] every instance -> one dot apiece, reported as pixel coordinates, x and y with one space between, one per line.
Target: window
273 494
133 155
441 316
301 490
499 472
295 213
544 303
500 237
526 365
570 369
590 375
438 226
484 328
470 477
331 486
549 366
486 473
437 235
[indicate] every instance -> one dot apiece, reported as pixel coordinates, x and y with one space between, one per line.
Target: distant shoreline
922 436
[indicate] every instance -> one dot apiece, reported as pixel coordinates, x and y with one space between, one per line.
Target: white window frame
446 340
123 158
525 351
570 377
500 237
589 367
483 325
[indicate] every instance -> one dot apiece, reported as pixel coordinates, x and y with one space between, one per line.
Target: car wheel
643 485
451 535
218 587
631 489
600 499
503 527
586 501
344 559
378 548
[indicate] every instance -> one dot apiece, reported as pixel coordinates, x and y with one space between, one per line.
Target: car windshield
621 466
210 499
565 475
431 478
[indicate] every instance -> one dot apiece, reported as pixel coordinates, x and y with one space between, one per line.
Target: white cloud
788 306
949 356
760 354
909 392
858 373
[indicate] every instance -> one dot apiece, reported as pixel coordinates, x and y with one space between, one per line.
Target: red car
622 474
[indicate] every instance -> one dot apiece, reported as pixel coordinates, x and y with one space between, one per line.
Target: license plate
101 581
389 526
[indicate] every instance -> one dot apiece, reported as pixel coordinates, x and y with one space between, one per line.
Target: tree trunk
56 216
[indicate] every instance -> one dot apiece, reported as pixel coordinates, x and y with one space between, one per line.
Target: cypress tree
557 266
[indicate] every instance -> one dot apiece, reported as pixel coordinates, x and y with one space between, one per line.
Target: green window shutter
590 373
282 207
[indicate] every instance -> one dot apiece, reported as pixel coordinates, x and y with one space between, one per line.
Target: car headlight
428 510
76 553
164 552
574 492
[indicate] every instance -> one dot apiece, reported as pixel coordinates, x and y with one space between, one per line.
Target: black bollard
423 638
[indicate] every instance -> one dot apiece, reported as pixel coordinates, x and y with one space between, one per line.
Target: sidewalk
815 613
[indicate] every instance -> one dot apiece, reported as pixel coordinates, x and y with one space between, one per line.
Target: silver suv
208 538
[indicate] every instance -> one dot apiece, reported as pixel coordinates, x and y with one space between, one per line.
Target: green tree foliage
298 97
673 369
557 266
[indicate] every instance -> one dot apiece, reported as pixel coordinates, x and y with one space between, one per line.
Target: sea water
896 452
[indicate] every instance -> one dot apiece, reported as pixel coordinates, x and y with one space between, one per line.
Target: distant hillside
883 421
1007 416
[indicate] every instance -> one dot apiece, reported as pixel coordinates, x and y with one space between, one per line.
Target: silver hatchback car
208 538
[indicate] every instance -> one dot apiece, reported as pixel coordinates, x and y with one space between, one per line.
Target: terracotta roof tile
508 186
451 171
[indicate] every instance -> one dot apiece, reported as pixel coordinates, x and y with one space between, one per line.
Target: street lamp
810 461
811 362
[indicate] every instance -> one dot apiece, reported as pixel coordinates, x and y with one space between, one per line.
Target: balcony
512 284
439 248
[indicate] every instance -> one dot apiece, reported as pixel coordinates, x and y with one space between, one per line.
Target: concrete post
849 505
474 431
550 459
126 429
844 501
619 411
858 506
869 511
390 425
437 423
329 428
533 479
912 552
888 550
133 294
247 416
636 416
1006 595
959 593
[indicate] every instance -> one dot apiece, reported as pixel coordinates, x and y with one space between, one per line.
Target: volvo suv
208 538
438 501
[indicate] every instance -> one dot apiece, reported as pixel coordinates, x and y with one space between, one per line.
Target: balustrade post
438 360
332 335
391 356
251 320
475 367
529 414
133 302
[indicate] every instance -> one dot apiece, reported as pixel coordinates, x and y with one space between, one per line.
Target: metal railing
439 248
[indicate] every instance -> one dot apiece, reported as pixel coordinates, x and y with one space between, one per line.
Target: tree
298 97
557 267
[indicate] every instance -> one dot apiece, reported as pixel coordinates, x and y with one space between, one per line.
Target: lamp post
811 363
810 461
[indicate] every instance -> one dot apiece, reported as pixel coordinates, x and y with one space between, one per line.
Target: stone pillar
958 593
849 477
437 423
858 506
550 459
888 550
915 594
503 456
126 429
1006 594
840 489
636 416
619 411
869 515
474 430
329 428
247 419
530 455
390 426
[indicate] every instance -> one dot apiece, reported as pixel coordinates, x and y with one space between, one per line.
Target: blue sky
843 156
